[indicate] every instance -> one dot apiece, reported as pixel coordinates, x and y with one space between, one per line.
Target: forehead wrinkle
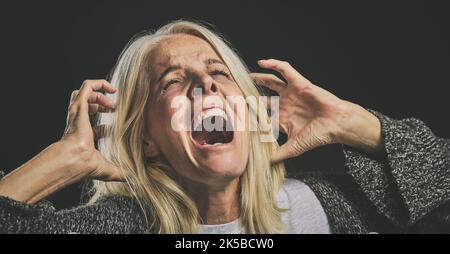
174 52
171 46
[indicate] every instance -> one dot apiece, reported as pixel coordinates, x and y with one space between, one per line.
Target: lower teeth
215 144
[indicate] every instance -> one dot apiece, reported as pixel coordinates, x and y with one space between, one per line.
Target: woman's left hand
313 117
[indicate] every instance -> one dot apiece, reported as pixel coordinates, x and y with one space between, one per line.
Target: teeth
213 112
215 144
208 113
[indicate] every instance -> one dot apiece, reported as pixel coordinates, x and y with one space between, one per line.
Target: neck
216 204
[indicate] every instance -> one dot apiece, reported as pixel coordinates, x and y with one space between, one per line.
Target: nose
203 85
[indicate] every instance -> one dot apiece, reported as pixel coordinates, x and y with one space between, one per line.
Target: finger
101 99
77 110
288 150
73 96
285 69
270 103
295 145
88 93
100 85
77 116
269 80
94 85
96 108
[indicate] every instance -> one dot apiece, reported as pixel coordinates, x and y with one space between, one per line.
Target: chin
221 162
225 165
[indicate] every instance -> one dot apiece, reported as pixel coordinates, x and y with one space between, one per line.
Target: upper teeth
208 113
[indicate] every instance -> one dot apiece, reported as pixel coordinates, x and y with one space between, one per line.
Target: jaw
219 161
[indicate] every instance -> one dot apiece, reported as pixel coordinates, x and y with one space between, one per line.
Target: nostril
213 88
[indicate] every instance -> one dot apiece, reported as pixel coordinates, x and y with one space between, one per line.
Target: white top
305 214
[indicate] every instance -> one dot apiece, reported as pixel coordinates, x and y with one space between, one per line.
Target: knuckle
83 145
86 83
74 93
105 83
98 97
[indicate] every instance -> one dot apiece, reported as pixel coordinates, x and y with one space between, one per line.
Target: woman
151 178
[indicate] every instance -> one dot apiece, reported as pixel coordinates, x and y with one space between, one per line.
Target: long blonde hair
166 206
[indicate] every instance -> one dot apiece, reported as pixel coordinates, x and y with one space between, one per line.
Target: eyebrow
168 70
211 61
175 67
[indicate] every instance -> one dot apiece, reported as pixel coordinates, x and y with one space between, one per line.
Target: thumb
108 171
291 148
114 173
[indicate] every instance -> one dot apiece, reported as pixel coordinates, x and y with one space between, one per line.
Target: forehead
180 49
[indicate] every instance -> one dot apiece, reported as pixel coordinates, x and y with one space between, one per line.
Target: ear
151 150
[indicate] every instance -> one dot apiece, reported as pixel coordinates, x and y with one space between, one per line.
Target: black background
391 56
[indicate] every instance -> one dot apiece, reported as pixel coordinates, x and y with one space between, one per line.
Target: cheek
159 116
165 122
234 90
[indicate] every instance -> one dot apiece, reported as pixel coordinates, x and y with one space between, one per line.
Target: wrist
77 159
360 129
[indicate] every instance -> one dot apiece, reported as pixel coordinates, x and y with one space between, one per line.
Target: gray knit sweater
407 191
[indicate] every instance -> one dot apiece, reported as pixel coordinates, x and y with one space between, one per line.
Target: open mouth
214 129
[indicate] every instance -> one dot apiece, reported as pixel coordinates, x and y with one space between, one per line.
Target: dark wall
391 56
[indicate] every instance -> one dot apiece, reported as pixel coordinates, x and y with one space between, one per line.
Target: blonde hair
167 208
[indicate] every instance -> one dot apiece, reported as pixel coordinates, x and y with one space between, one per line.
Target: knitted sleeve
413 181
111 214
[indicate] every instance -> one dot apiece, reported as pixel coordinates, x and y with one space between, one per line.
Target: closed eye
220 72
170 82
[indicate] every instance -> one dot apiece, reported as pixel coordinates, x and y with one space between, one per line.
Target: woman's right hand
80 135
71 159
